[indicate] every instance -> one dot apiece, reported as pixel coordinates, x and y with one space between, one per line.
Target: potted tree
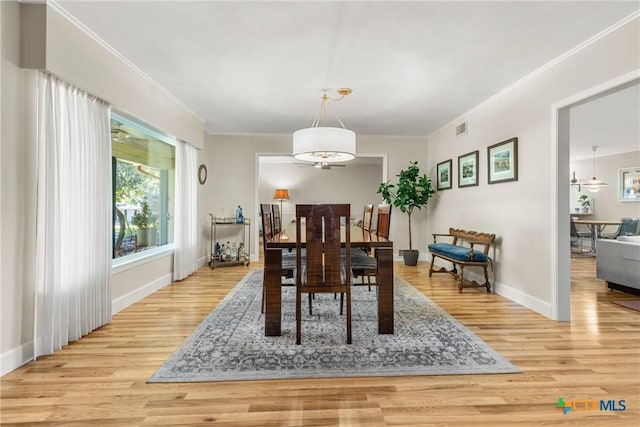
146 226
412 191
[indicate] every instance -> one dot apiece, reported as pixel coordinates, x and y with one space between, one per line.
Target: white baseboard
502 289
203 261
16 357
526 300
136 295
515 295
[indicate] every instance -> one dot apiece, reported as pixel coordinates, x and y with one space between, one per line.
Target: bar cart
240 256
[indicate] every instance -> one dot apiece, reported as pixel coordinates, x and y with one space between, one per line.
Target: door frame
560 239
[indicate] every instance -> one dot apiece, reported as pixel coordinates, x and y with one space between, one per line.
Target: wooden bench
463 256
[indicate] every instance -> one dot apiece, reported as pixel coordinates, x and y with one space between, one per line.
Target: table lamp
281 194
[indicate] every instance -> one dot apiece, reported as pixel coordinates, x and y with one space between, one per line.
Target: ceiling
610 122
261 67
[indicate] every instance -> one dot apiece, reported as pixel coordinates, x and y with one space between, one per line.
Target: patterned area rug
633 304
230 343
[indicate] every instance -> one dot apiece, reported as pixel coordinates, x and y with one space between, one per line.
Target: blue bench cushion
459 253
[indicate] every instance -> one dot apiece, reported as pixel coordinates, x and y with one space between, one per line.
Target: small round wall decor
202 174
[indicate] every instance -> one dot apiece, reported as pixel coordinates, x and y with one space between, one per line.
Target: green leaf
412 191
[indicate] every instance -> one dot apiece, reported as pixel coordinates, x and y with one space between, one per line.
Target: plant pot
146 237
410 257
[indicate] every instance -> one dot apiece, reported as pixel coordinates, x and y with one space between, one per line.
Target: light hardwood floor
101 379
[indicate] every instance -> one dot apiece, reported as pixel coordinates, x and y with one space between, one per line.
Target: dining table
360 238
596 227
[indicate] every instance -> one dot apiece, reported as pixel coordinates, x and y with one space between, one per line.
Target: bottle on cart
217 252
228 253
223 252
242 255
239 217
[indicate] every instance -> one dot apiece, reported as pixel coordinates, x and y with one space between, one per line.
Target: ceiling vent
461 129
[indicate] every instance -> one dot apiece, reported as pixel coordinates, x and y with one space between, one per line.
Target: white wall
520 212
232 161
74 57
79 59
355 184
18 199
606 205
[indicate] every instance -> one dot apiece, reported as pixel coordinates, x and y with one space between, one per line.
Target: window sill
129 262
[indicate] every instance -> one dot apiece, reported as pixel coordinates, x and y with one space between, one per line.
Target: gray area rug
230 343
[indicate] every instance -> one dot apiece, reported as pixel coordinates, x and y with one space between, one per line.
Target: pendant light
320 143
594 185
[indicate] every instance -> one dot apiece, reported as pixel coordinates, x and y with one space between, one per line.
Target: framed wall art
502 161
443 169
468 169
629 184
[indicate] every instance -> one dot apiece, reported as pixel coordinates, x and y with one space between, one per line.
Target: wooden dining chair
323 269
384 220
367 217
366 265
277 219
365 224
288 258
267 221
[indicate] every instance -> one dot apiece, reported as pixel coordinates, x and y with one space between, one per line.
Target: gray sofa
618 263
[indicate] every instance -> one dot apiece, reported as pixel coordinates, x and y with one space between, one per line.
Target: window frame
135 259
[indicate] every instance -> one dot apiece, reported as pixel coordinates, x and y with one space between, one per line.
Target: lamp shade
327 144
594 185
281 194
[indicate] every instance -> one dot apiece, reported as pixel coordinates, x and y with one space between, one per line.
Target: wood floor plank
101 379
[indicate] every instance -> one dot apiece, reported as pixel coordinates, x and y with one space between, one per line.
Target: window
143 172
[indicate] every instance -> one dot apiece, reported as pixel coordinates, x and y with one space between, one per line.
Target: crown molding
545 67
58 8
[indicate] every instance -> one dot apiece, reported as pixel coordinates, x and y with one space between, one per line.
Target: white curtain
73 230
185 241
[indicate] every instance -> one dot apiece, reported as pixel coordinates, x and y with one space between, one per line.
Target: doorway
560 233
354 182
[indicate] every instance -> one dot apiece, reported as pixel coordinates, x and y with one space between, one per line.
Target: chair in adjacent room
629 227
323 269
578 237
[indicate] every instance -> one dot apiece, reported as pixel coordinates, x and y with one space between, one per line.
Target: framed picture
502 161
629 184
468 169
443 170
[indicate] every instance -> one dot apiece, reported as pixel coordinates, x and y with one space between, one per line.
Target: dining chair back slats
314 267
323 268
